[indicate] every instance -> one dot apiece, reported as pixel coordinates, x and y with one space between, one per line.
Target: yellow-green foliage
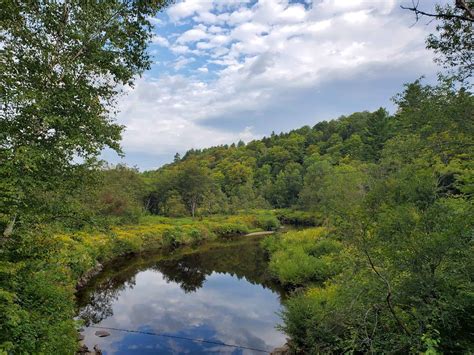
80 251
304 256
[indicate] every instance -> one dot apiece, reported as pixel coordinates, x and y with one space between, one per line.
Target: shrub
172 237
267 222
298 218
307 323
302 257
226 230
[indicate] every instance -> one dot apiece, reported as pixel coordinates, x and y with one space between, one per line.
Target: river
214 298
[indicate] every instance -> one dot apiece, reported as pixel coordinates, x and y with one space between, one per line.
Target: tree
376 133
193 183
120 194
406 222
237 175
62 66
454 42
288 185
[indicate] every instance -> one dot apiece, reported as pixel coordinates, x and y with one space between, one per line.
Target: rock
284 350
102 333
80 337
97 350
89 275
83 349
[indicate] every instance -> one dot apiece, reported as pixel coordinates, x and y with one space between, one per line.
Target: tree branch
460 4
388 298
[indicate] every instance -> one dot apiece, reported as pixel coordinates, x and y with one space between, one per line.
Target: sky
230 70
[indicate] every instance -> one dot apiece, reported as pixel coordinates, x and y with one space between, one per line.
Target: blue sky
225 70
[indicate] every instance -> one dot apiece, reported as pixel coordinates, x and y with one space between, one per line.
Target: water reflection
218 292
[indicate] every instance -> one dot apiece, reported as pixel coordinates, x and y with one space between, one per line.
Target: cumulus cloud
160 40
257 53
162 116
192 36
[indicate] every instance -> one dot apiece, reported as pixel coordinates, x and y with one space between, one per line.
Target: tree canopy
63 65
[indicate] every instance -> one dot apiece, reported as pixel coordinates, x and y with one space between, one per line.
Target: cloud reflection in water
225 307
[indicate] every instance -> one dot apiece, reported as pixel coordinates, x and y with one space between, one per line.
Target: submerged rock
83 349
102 333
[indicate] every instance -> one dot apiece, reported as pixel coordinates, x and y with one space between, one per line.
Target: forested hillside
276 171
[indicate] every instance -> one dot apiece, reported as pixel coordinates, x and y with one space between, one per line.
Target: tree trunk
9 230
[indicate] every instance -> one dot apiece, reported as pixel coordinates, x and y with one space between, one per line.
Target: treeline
274 172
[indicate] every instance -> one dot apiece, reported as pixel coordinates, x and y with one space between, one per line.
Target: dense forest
385 267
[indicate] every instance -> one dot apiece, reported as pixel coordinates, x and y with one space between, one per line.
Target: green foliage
267 222
193 181
454 38
226 230
280 171
298 217
118 197
303 257
80 53
391 270
307 321
403 279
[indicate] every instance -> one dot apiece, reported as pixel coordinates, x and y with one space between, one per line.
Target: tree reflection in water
187 267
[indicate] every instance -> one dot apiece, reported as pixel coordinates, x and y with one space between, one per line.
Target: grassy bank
38 305
305 257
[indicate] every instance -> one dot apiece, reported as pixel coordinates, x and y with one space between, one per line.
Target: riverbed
213 298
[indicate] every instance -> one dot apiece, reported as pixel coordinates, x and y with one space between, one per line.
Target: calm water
217 292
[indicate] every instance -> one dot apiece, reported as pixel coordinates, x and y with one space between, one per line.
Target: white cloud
161 41
163 116
264 51
192 35
215 29
181 62
178 49
188 8
155 21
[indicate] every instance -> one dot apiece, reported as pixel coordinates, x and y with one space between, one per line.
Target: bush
302 257
307 324
267 222
298 218
226 230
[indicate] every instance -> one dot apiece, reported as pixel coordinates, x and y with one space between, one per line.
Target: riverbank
155 232
40 318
